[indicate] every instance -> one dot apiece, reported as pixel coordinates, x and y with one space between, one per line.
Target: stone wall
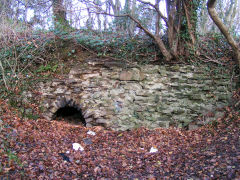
150 95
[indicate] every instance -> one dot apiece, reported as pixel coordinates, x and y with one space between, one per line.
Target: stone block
88 113
132 75
158 86
164 124
125 76
88 120
89 125
53 110
193 126
102 121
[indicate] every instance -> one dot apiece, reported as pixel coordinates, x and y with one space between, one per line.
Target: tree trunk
213 14
89 22
168 56
59 13
105 21
188 14
233 15
131 8
203 19
181 27
116 11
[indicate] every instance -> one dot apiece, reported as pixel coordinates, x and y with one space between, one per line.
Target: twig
237 104
211 60
3 74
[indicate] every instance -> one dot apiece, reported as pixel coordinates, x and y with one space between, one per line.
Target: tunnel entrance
71 115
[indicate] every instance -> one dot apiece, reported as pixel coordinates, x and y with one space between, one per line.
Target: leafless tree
211 9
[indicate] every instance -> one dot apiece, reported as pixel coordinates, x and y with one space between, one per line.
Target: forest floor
40 149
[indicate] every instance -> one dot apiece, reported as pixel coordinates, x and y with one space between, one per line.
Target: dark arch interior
70 114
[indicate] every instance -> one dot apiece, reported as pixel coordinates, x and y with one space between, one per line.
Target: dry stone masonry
121 98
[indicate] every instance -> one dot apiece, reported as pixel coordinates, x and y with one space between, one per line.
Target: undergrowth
138 48
214 48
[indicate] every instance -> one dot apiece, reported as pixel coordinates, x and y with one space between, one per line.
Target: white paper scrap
153 150
77 147
91 133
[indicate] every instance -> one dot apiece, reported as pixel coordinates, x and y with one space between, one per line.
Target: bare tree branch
156 37
132 18
157 9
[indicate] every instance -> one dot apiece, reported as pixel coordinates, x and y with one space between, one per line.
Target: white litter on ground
91 133
77 147
153 150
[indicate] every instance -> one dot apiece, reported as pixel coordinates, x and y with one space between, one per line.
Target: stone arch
67 109
70 114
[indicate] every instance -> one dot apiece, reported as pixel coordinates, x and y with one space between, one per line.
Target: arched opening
70 114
